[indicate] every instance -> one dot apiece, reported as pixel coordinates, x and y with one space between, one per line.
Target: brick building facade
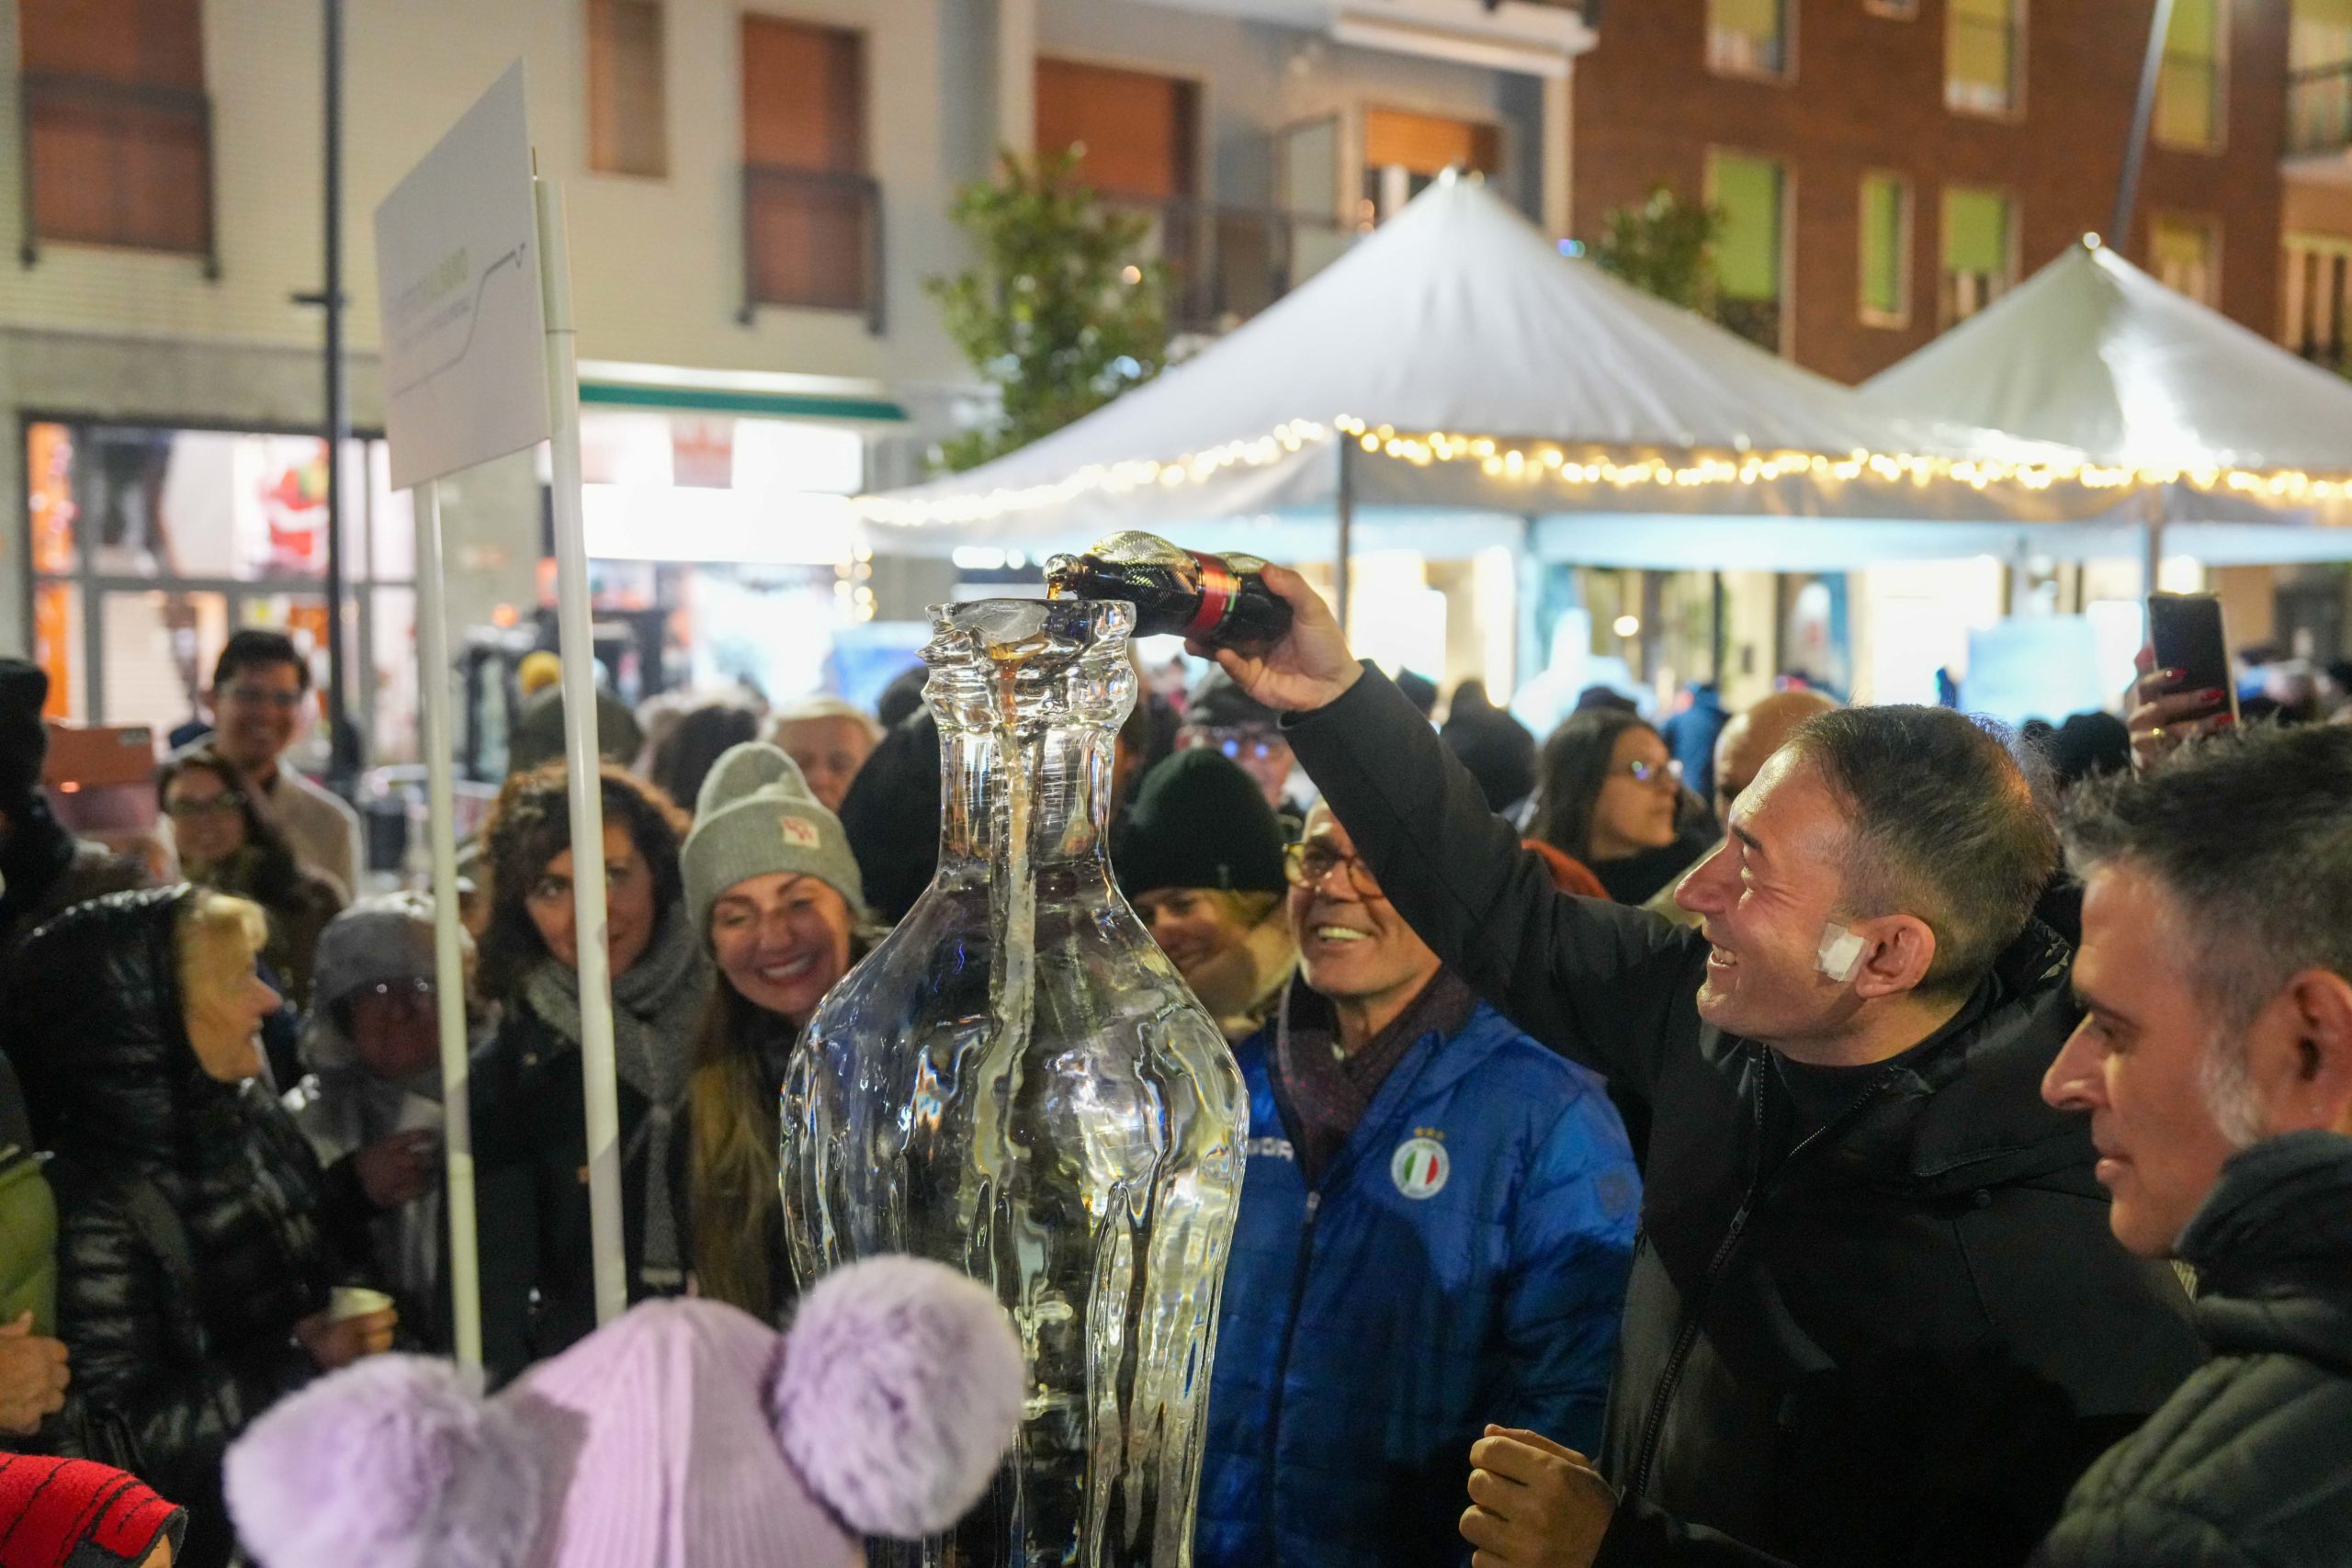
2008 116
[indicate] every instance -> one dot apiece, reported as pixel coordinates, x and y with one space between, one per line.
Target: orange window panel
1139 129
1428 144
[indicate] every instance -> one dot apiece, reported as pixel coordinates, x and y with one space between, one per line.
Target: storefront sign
457 253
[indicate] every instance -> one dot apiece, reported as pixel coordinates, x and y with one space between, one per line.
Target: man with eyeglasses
1876 1317
261 686
1224 718
1437 1215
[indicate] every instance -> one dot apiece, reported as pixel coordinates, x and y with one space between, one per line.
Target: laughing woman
530 1131
774 888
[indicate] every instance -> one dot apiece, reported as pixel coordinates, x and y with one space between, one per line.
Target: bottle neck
1069 766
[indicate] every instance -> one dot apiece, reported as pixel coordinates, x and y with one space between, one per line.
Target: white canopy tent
2243 446
1453 382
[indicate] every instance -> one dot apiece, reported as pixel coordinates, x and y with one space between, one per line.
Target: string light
1563 466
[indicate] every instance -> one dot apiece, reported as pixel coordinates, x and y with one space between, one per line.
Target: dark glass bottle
1176 592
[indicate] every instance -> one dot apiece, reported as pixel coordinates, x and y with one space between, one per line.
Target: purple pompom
898 1389
395 1462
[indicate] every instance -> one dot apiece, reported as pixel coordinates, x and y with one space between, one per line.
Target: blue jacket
1462 1261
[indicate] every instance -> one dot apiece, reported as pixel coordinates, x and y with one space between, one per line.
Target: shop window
1750 193
1886 251
1749 37
627 103
811 212
2189 95
1138 130
150 545
1983 49
1979 250
118 128
2185 254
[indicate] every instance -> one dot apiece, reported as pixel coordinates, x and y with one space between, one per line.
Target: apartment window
2319 289
118 128
1886 251
2186 253
1983 46
2189 95
1751 195
1980 250
1139 132
813 214
627 108
1749 37
1403 152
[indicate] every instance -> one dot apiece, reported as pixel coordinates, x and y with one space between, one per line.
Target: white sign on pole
457 260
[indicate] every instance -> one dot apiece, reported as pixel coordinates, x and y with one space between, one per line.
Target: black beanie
23 741
1199 821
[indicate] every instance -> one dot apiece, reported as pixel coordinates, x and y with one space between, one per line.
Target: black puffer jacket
1898 1343
114 1087
2250 1464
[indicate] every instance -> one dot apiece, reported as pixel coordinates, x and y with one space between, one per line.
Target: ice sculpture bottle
1018 1083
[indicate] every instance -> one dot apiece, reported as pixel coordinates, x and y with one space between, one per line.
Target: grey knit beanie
755 815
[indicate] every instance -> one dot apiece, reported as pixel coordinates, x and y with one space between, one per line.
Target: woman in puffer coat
198 1242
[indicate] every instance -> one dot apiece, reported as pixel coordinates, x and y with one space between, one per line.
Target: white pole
448 961
575 639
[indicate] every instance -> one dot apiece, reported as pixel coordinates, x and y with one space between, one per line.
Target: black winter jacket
530 1127
2250 1464
1899 1344
185 1348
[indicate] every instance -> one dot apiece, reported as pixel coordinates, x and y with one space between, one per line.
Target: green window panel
1886 219
1977 231
1747 192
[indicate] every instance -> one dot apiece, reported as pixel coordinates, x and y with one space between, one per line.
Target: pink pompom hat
685 1435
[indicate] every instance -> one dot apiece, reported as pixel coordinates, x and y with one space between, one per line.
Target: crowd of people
1811 1134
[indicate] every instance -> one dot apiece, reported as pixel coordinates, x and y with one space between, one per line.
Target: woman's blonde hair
217 938
736 1223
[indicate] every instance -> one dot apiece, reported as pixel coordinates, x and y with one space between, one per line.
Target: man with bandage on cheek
1876 1316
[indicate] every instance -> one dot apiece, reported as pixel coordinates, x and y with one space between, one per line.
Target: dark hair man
2215 1065
1875 1315
261 688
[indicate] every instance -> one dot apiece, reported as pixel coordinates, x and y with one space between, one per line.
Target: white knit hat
755 815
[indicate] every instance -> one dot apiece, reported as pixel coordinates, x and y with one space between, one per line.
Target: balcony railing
812 238
2319 109
1739 51
1757 320
110 162
1227 263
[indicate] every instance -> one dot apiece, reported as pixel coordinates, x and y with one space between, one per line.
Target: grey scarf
656 1007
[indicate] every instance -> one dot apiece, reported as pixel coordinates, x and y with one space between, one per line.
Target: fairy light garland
1560 466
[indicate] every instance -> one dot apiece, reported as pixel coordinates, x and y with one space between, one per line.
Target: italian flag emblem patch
1419 1167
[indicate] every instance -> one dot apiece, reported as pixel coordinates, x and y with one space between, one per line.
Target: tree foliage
1666 247
1063 311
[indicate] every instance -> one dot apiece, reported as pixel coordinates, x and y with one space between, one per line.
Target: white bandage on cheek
1840 954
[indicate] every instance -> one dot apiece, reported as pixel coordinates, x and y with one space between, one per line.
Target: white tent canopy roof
1459 317
2094 354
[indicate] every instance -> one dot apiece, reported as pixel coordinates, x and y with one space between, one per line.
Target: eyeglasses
1652 773
1307 865
264 696
419 989
191 808
1240 745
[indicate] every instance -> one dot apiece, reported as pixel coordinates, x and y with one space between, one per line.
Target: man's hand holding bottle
1308 669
